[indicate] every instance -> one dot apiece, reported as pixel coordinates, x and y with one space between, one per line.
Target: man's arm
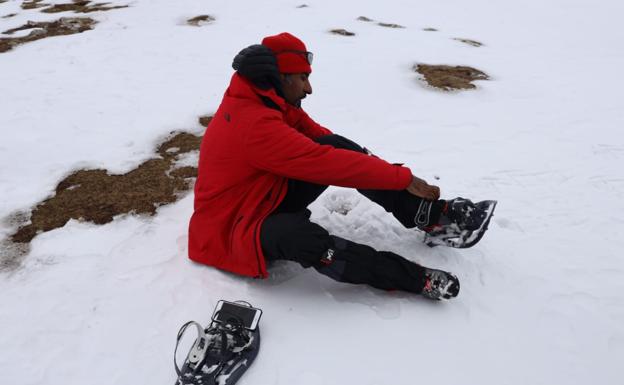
299 119
274 146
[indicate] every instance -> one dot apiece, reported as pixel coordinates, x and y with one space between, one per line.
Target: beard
296 102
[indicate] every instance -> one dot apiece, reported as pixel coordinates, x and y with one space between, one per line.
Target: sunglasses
308 55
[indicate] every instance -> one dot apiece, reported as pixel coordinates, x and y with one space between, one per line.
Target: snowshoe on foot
440 285
462 223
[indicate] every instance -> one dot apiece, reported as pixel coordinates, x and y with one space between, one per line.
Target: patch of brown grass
429 29
79 6
181 143
32 4
98 196
342 32
204 120
41 30
381 24
200 20
450 78
473 43
390 25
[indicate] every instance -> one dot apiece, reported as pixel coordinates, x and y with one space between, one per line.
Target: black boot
440 285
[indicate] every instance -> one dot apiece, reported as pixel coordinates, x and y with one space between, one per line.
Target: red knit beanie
287 61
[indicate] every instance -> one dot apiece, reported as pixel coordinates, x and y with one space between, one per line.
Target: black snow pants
288 234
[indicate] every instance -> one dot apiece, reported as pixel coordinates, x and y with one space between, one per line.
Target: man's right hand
422 189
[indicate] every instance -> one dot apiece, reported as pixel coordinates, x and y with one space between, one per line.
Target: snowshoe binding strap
197 355
423 214
214 352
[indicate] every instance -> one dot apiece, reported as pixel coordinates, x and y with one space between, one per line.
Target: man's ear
286 79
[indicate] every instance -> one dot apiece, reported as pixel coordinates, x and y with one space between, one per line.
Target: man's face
296 87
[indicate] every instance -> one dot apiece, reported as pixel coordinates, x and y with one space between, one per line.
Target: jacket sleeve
274 146
298 118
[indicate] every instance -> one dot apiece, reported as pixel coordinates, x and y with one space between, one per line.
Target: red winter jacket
246 157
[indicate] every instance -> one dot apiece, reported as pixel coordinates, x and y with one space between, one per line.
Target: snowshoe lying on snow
220 354
462 223
440 285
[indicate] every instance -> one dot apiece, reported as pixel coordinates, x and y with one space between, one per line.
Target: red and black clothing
255 147
289 234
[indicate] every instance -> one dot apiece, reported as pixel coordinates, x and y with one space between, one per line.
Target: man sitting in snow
263 160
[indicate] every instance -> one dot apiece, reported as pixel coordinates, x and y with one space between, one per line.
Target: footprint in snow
341 202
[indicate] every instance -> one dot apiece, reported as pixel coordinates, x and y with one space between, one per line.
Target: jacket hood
244 89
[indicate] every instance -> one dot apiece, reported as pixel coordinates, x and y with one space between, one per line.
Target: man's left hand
422 189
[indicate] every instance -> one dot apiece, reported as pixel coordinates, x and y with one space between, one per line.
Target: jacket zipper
232 232
256 231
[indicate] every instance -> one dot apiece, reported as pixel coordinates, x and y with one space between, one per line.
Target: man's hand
422 189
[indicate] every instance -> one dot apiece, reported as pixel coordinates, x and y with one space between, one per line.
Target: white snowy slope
542 295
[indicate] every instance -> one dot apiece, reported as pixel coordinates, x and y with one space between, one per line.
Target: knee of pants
292 236
338 141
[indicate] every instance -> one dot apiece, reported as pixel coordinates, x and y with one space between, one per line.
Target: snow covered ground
542 298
